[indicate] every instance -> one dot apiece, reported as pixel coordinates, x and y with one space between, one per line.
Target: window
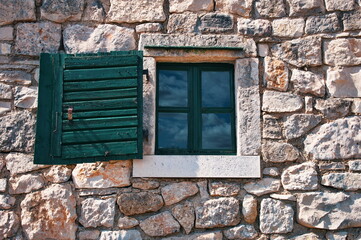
195 109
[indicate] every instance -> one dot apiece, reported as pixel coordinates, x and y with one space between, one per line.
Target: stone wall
309 56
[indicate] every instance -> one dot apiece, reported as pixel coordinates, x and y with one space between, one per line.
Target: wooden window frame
195 110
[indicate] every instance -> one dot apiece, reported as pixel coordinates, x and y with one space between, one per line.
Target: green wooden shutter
104 92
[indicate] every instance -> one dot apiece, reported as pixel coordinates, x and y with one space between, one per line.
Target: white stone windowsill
197 166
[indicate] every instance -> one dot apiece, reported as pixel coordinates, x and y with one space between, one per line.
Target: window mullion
197 108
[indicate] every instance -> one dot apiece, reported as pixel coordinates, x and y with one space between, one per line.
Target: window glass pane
216 131
173 88
216 89
172 130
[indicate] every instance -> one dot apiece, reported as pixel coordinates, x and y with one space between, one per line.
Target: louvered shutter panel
90 108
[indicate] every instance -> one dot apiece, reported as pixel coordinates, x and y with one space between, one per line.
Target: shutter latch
70 113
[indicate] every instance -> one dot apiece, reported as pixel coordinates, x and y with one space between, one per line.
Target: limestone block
127 222
308 82
300 52
161 224
263 50
35 38
344 82
279 152
343 52
276 74
6 33
122 234
224 189
176 192
333 108
271 171
5 91
25 183
241 232
58 173
3 184
258 27
103 38
288 27
5 49
322 24
334 5
203 189
270 8
330 211
182 23
136 11
137 203
184 214
9 224
89 235
263 186
95 11
346 181
45 214
355 165
297 125
102 174
281 102
342 132
16 10
18 163
271 127
17 132
61 11
332 166
300 177
144 184
305 7
149 27
216 23
275 216
351 20
17 77
356 106
7 201
308 104
97 212
179 6
249 208
26 97
218 212
242 8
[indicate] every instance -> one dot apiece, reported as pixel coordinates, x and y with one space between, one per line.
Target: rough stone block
5 91
322 24
26 97
258 27
298 125
89 235
249 208
161 224
149 27
345 181
271 127
305 7
281 102
25 183
351 20
263 186
61 11
9 224
241 232
345 5
355 165
103 38
96 212
16 10
216 23
58 173
5 107
276 74
271 171
3 184
136 11
17 77
308 82
182 23
184 213
344 82
224 189
343 52
137 203
7 201
288 27
35 38
122 234
176 192
333 108
270 8
300 177
179 6
241 8
127 222
5 48
6 33
95 11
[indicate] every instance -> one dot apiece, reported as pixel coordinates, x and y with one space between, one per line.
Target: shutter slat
100 84
102 113
91 136
101 104
98 123
100 73
99 149
103 94
100 61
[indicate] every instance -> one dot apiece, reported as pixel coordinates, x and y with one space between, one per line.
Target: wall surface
308 54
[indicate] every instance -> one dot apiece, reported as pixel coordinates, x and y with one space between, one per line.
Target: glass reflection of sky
216 131
172 130
215 89
173 88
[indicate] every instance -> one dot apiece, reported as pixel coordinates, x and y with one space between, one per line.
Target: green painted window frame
195 110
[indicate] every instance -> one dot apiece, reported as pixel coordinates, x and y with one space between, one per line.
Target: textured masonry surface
301 66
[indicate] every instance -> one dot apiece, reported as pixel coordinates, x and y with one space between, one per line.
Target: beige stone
279 152
46 214
351 20
346 181
5 48
102 175
5 91
224 189
249 208
276 74
137 203
308 82
148 27
257 27
270 8
182 23
61 11
184 214
281 102
322 24
89 235
263 186
344 82
58 174
297 125
5 107
136 11
288 27
9 224
26 97
241 232
95 10
161 224
6 202
127 222
333 108
103 38
122 234
18 77
16 10
18 163
97 212
307 236
271 127
3 184
271 171
301 7
179 6
145 184
343 52
242 8
301 177
6 33
25 183
334 5
176 192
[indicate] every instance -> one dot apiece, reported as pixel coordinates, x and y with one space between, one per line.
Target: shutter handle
70 113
